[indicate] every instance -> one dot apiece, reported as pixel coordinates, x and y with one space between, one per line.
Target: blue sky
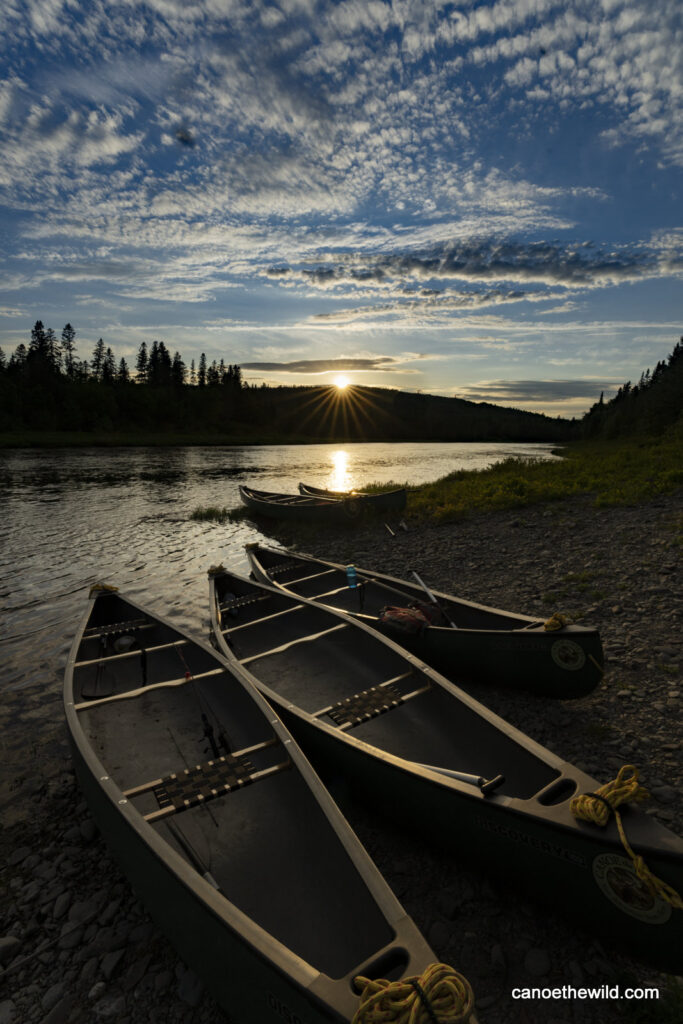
479 199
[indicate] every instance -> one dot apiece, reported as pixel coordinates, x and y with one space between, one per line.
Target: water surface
71 517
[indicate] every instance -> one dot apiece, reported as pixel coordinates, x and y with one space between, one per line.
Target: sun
341 382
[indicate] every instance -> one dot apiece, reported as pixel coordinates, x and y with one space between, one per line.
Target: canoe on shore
382 501
464 640
221 825
299 508
374 718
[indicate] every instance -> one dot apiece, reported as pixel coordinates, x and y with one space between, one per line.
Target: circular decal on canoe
568 654
618 880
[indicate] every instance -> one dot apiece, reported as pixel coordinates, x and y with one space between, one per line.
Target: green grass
213 514
615 473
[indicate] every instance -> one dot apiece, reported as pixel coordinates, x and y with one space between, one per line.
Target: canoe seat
372 702
365 705
181 790
278 570
115 628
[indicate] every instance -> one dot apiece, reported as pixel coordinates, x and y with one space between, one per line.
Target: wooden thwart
145 689
135 652
293 643
265 618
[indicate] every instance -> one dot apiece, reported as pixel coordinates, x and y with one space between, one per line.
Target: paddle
432 598
485 785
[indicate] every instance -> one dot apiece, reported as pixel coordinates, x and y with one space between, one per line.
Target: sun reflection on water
339 480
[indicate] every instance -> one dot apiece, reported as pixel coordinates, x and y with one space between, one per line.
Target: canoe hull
224 935
491 645
387 501
236 974
523 829
299 508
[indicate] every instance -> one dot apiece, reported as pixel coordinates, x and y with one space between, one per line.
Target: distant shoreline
68 439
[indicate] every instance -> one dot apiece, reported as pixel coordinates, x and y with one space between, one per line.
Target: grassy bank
615 472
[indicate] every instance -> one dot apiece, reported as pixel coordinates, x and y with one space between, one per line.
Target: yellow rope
597 808
556 621
216 570
101 588
438 996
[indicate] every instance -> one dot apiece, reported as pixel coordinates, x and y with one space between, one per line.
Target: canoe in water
221 825
419 749
299 508
381 501
464 640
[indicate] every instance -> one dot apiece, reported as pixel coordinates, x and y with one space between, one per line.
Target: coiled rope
599 806
556 621
438 996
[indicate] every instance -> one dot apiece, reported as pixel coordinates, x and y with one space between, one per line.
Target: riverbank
97 957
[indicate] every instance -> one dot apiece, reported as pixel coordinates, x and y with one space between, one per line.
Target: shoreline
96 954
66 439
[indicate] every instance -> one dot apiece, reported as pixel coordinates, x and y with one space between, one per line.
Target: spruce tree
141 364
68 349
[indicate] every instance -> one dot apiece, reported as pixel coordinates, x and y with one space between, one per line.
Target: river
71 517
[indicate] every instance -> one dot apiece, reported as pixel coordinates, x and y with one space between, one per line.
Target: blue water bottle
351 576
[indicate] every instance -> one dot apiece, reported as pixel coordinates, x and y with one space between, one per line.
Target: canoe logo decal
618 880
568 654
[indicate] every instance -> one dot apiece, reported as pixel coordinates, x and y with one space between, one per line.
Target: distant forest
45 387
649 407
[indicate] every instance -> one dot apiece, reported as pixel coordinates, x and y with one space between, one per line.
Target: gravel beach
77 947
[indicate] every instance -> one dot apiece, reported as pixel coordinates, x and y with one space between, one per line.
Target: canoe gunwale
294 971
440 642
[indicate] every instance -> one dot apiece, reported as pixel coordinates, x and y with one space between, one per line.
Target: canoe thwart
135 653
293 643
193 786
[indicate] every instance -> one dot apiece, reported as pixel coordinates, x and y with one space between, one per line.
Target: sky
459 198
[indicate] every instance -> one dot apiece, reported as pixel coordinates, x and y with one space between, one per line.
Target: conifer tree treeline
651 406
45 386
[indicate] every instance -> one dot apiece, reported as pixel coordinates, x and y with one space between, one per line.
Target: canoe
467 641
384 501
222 826
299 507
401 737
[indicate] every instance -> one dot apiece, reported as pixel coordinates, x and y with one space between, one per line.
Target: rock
84 911
537 962
88 830
190 988
71 935
52 996
498 958
9 947
59 1014
7 1011
17 856
665 794
110 1007
97 990
111 962
61 905
109 912
162 981
439 935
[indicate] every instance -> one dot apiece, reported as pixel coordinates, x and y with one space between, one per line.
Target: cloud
317 366
504 392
